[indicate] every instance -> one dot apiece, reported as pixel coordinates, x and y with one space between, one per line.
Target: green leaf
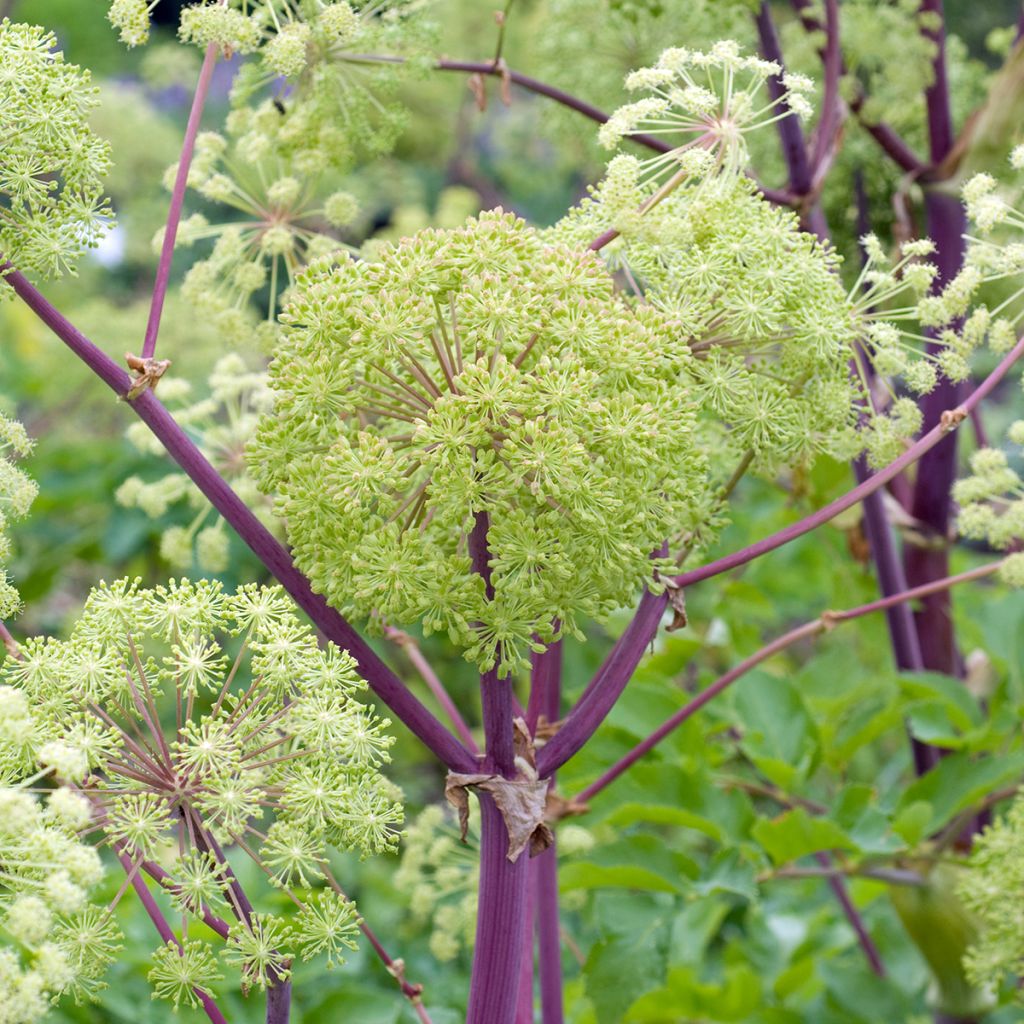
622 968
779 735
949 692
583 875
795 834
728 873
957 783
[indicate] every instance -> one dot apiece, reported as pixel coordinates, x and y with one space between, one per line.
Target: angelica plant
478 373
500 437
178 750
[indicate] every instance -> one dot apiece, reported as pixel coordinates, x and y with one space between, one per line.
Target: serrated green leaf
957 783
796 833
779 736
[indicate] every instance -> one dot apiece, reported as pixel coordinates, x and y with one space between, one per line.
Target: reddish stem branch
838 886
434 684
384 683
163 270
950 420
809 629
165 931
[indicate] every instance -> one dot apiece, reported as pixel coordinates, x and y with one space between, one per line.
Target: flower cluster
772 331
284 223
51 162
995 251
710 100
759 301
221 425
337 101
478 379
991 504
991 888
17 492
53 941
266 748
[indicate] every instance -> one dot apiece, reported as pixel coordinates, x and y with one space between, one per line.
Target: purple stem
886 137
163 270
545 679
791 134
549 936
547 682
279 1001
524 1000
165 931
931 504
502 904
501 913
606 687
936 96
831 107
838 886
384 683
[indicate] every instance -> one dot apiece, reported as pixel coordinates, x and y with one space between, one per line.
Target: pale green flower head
17 492
264 746
478 372
53 940
705 101
991 888
51 162
758 300
991 500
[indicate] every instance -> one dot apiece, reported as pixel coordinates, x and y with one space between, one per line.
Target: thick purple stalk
502 904
549 936
279 1002
524 1000
501 914
791 134
606 687
936 96
384 683
932 504
547 683
156 915
163 270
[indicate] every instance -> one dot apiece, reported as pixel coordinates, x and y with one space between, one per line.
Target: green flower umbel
478 371
51 163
